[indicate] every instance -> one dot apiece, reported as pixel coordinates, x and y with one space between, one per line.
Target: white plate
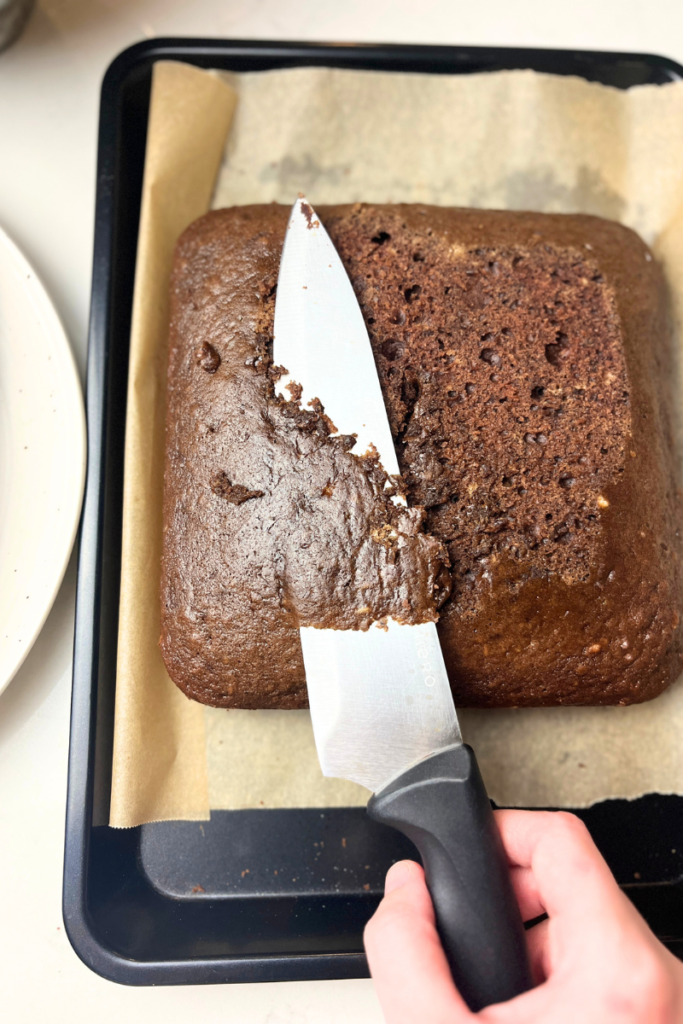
42 456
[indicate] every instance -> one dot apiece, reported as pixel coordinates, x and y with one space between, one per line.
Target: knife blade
381 703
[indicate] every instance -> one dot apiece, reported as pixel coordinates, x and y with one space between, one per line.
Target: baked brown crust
526 365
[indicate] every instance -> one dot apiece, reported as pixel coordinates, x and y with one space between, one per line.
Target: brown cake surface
526 365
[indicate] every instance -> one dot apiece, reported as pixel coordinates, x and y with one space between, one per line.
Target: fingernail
398 875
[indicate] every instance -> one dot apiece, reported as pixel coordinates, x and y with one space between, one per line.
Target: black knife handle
440 803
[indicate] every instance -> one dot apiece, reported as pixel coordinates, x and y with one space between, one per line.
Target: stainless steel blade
380 699
321 339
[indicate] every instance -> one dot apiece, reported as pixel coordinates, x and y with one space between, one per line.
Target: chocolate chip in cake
490 356
207 357
236 494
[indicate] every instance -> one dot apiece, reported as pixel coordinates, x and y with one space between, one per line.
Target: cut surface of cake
526 365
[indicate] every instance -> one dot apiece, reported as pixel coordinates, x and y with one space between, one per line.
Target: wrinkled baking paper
507 140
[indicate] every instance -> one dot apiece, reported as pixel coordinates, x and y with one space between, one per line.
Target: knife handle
441 804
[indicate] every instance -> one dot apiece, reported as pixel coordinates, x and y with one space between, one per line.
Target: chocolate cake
526 365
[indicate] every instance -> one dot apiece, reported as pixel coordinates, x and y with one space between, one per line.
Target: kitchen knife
381 704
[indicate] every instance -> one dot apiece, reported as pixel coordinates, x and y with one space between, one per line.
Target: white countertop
49 94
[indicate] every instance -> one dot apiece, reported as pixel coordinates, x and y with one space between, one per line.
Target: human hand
594 960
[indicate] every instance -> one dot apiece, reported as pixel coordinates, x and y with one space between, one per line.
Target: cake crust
526 365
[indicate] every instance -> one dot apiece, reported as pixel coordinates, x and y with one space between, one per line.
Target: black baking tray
255 895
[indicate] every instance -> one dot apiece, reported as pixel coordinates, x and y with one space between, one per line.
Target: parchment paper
515 140
159 765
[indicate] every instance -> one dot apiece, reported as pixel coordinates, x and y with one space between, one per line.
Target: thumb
408 965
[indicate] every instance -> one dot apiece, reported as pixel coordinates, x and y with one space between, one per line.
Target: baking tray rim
79 926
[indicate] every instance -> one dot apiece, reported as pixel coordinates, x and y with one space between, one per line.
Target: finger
523 881
526 891
537 944
408 965
569 871
520 831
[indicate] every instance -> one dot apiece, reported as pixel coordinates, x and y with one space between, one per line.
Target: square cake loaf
526 364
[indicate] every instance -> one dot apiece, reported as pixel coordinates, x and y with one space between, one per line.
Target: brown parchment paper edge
159 759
